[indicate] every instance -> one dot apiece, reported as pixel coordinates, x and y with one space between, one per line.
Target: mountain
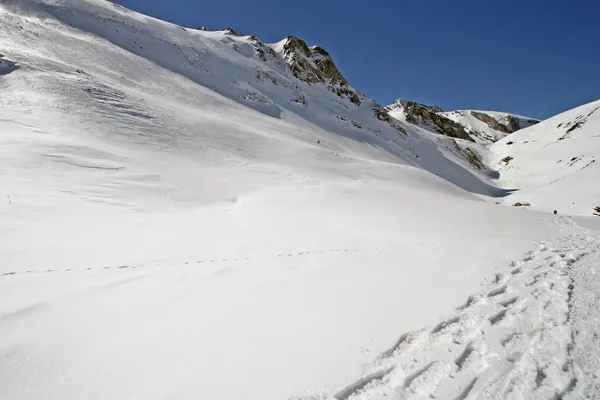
400 103
479 126
199 214
553 164
489 126
430 116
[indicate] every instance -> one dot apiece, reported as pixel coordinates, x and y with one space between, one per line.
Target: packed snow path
533 333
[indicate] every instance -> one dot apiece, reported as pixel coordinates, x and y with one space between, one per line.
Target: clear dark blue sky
531 57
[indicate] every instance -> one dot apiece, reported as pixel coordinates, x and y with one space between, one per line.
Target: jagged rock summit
315 65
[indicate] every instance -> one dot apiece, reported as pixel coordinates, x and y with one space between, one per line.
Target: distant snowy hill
554 164
196 214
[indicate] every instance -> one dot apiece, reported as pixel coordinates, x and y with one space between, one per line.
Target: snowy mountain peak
314 65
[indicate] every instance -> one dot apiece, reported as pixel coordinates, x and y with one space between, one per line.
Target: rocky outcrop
492 122
401 103
471 156
382 114
314 65
416 113
311 65
513 123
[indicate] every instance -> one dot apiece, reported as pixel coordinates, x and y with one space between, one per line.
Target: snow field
518 338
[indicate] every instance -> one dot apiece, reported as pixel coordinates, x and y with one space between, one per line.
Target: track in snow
204 261
531 334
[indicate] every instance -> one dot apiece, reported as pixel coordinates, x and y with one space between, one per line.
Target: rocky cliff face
401 103
491 122
487 127
511 123
421 114
315 65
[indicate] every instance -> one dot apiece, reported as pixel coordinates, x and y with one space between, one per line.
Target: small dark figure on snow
555 212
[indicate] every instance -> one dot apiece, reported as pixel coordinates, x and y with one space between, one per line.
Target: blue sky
530 57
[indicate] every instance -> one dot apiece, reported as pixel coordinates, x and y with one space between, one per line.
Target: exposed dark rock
233 32
311 65
382 114
471 156
293 44
314 65
492 123
513 123
419 114
401 103
473 159
299 97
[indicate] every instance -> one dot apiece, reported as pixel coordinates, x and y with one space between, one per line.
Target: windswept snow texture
554 164
179 224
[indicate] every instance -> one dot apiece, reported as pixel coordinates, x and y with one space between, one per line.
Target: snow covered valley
188 217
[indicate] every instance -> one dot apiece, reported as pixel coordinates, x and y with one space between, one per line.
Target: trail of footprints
208 261
512 341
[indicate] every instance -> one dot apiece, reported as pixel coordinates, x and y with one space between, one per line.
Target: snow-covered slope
194 214
554 164
489 126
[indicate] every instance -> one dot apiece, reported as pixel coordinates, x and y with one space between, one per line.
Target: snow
479 130
278 47
553 164
482 132
524 335
176 225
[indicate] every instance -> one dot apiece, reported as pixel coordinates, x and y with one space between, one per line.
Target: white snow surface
530 333
176 225
553 164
